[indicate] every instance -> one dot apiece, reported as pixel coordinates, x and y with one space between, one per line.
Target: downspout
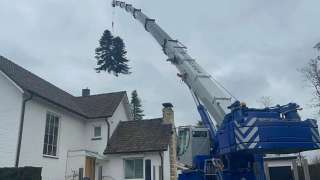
24 102
108 124
161 157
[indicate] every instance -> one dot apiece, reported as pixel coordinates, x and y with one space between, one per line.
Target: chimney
168 115
85 92
168 118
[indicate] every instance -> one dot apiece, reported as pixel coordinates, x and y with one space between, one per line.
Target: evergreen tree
119 53
103 53
136 106
111 55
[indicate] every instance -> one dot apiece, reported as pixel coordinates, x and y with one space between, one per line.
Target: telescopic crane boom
214 98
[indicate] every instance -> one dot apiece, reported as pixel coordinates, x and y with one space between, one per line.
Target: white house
74 137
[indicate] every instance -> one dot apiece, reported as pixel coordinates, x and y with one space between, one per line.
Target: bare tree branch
311 74
265 101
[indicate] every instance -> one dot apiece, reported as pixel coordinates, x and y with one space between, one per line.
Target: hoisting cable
113 17
224 88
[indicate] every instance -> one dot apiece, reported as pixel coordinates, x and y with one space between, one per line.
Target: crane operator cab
192 141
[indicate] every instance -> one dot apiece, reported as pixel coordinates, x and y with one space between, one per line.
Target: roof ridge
101 94
143 121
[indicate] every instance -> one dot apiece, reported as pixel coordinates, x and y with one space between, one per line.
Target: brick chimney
168 118
85 92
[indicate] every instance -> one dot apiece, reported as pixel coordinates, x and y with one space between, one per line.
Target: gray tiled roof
101 105
94 106
139 136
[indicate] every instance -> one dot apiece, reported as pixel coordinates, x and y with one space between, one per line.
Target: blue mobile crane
240 136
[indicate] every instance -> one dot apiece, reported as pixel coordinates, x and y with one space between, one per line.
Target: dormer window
97 133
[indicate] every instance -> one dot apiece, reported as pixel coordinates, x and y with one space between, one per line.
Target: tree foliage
111 55
136 106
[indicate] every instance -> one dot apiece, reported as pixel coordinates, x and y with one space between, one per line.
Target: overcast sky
253 48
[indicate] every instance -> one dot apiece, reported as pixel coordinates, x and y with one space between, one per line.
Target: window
199 134
133 168
183 141
97 131
51 135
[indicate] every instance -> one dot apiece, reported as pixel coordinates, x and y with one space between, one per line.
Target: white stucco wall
96 145
75 133
71 137
166 165
10 111
100 145
75 160
119 115
113 168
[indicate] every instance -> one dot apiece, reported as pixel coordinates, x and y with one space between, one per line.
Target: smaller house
72 137
142 145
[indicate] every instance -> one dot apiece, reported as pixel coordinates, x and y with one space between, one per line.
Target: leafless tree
265 101
311 73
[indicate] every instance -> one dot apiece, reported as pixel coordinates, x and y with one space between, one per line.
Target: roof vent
85 92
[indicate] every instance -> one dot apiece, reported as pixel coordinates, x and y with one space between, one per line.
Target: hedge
23 173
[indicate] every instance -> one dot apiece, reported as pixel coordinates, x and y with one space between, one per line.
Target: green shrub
22 173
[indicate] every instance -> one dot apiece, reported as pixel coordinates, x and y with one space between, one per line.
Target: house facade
72 137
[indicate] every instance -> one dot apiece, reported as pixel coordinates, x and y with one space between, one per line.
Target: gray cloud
253 47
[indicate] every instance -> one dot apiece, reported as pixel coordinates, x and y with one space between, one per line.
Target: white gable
10 112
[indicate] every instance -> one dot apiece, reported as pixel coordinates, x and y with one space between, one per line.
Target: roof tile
139 136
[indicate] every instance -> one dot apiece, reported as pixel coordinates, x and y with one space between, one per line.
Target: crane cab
192 141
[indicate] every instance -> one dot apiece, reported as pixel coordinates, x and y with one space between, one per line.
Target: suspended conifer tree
103 52
119 54
111 55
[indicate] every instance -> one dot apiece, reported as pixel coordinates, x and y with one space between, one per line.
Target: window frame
94 131
94 137
55 115
135 176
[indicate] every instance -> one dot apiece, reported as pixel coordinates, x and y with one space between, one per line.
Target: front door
90 168
148 169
